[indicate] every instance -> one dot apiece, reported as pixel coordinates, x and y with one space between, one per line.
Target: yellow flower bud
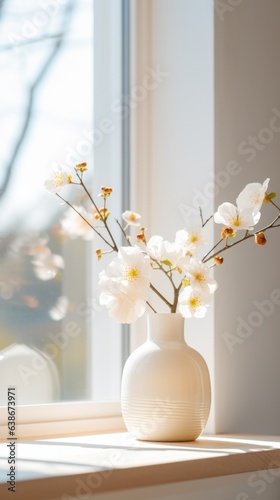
218 260
260 238
227 232
141 238
105 191
81 167
104 213
98 253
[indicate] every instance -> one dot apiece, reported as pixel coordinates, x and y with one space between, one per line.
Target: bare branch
22 43
1 7
31 98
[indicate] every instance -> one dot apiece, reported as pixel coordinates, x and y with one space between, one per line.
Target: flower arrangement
127 281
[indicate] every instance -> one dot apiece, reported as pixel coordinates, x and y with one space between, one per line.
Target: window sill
69 467
64 419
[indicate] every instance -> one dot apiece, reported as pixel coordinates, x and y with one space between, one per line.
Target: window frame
80 417
64 419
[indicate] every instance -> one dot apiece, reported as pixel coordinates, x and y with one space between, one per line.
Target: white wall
247 89
173 156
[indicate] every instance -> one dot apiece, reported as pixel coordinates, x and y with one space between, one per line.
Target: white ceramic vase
165 394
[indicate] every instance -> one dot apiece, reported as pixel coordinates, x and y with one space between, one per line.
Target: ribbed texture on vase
162 420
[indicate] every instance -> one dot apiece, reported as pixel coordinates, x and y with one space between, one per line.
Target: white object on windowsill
31 372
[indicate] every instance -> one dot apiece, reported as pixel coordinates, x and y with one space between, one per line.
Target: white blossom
252 196
231 216
57 178
193 303
199 276
59 310
163 250
132 269
131 218
125 284
155 247
122 307
192 238
46 264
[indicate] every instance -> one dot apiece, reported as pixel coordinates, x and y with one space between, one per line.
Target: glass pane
46 103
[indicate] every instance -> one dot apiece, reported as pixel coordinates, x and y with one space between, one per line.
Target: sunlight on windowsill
126 462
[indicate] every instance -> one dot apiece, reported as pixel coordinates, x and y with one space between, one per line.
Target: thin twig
123 232
274 204
161 296
201 216
89 224
148 303
114 244
213 248
207 220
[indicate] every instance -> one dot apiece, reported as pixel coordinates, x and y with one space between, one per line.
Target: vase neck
166 327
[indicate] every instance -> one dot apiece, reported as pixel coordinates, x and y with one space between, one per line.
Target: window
55 105
162 114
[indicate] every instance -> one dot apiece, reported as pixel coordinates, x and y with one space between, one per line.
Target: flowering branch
82 169
247 236
126 281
